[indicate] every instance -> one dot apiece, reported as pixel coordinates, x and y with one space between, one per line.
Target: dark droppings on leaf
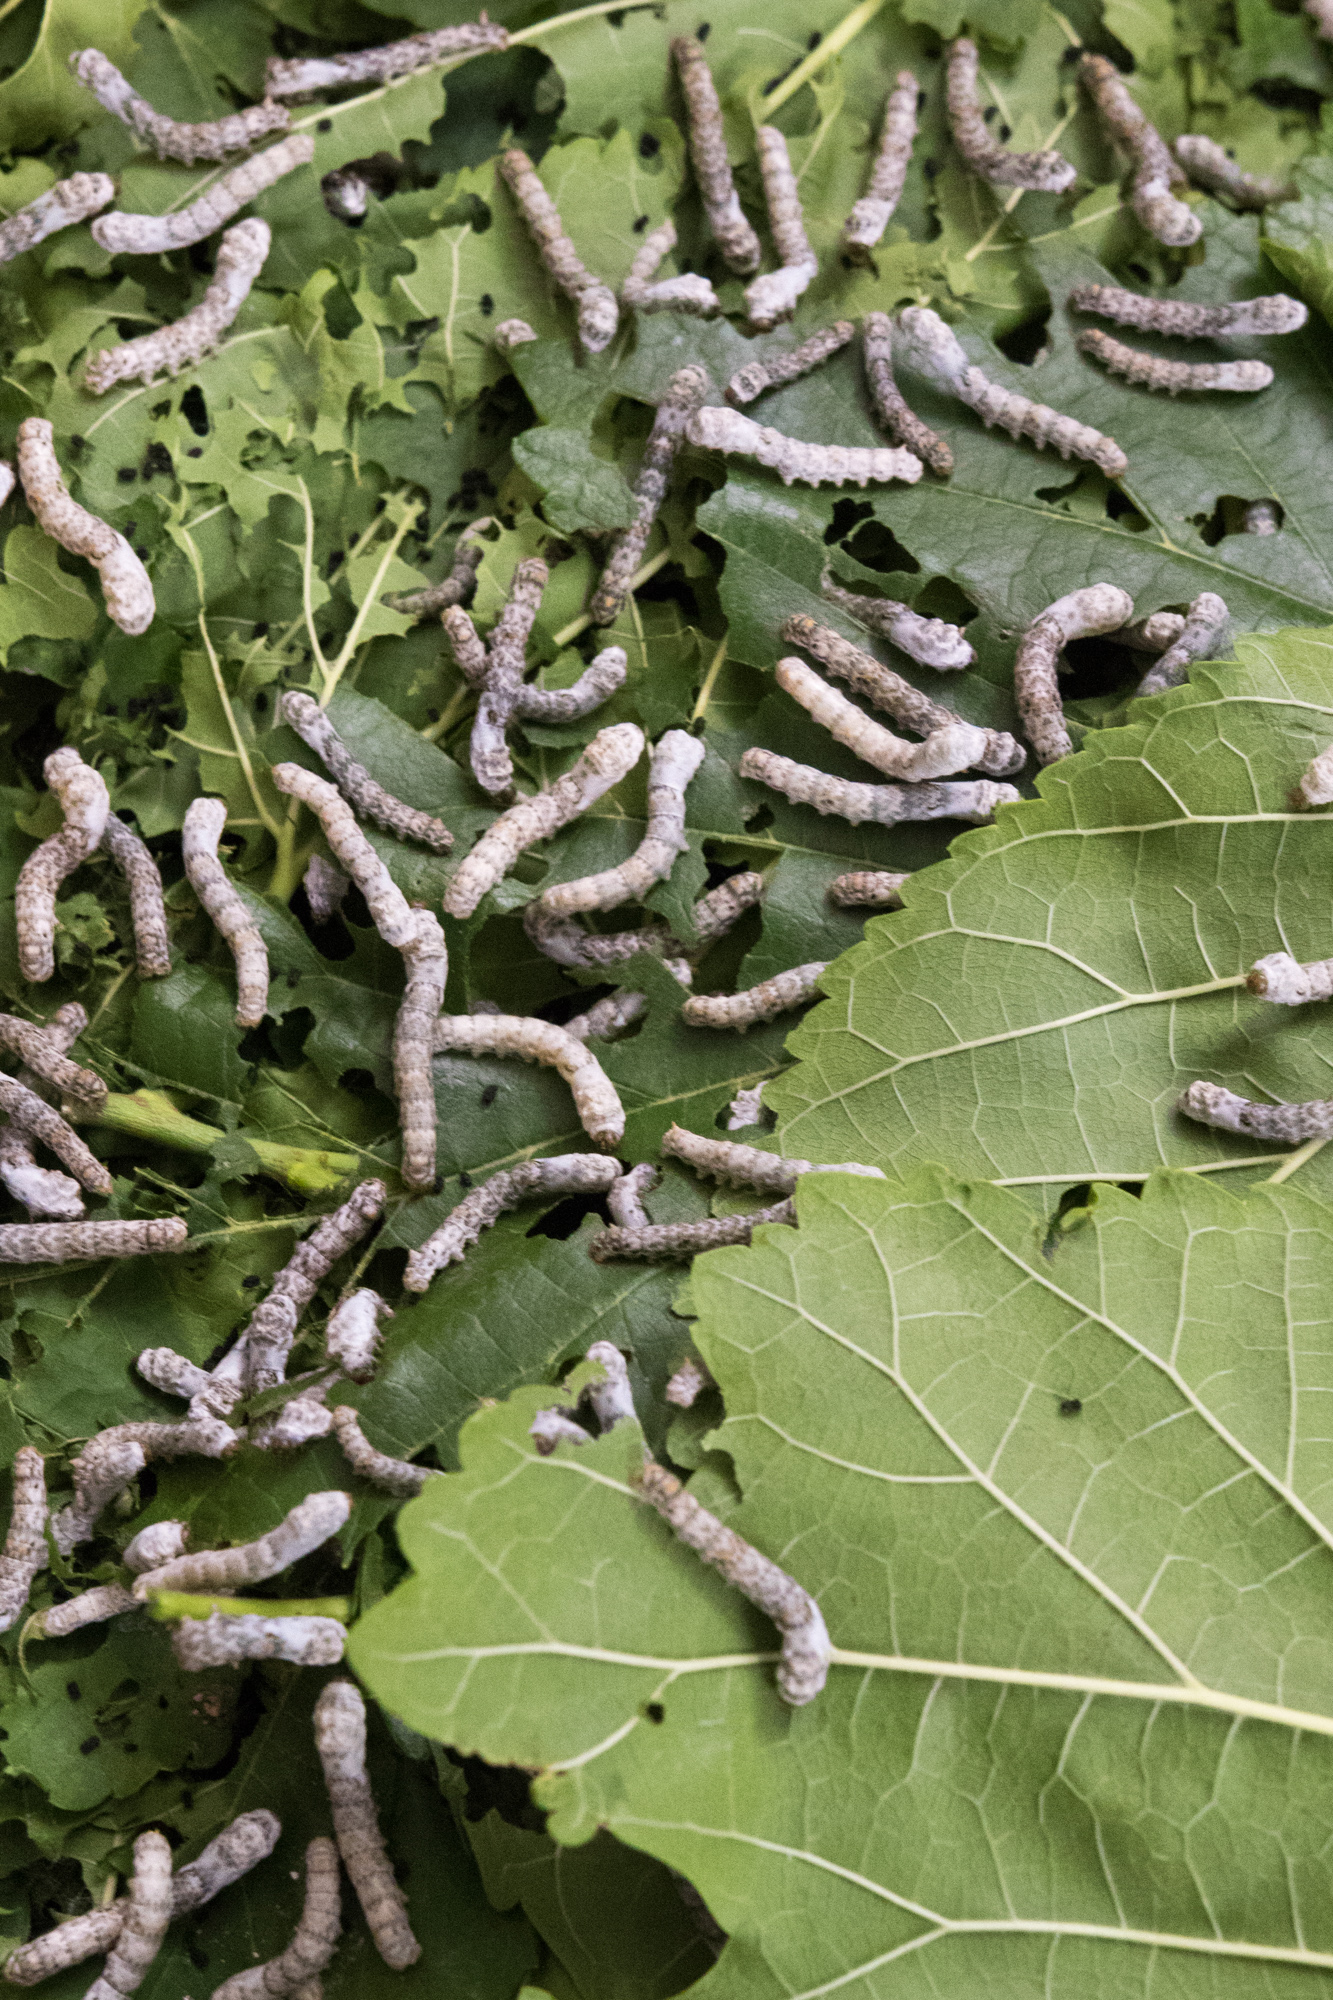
127 474
640 224
73 1690
324 125
814 41
89 1744
703 31
485 305
1070 1406
489 1095
649 146
195 410
156 460
193 451
250 1280
655 1712
465 1180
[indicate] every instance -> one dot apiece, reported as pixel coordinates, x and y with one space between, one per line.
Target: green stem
846 31
333 671
169 1604
150 1114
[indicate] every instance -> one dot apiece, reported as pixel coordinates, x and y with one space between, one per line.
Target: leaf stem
577 626
833 43
334 671
242 751
1294 1161
710 682
150 1114
170 1604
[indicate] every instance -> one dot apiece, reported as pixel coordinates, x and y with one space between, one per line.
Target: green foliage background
997 1412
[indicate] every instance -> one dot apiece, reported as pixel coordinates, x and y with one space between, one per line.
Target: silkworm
561 939
512 333
45 1058
171 1372
219 1572
461 580
1272 315
903 425
870 216
716 429
682 397
1288 1124
227 1638
1154 634
1198 637
296 76
1240 378
502 674
552 1427
935 352
564 1173
298 1422
240 259
1287 983
32 1115
688 1383
873 888
1321 13
59 1242
148 235
931 640
1315 787
612 753
340 1739
108 1462
352 1337
126 589
674 759
610 1400
68 202
24 1553
1262 517
1050 173
390 912
607 1017
757 1003
67 1944
346 194
1155 173
325 888
773 297
895 696
148 913
772 370
944 751
733 235
745 1109
748 1166
624 1197
200 834
159 1542
168 137
806 1648
1097 608
715 913
647 293
530 1039
90 1607
595 303
312 724
7 477
272 1327
313 1943
887 805
85 805
392 1475
145 1921
673 1242
1211 166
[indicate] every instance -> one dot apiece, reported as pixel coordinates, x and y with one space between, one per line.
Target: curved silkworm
945 751
159 1542
1211 166
126 588
870 216
147 1915
673 761
714 428
872 888
241 256
708 152
68 202
1197 639
1156 173
200 835
595 303
311 723
268 1337
1271 315
887 805
85 804
773 370
931 640
168 137
109 1461
763 1002
903 425
682 397
148 235
296 1971
148 910
340 1739
220 1572
688 1383
1240 378
564 1173
298 75
530 1039
773 297
392 1475
461 580
1050 173
24 1553
90 1607
647 293
1098 608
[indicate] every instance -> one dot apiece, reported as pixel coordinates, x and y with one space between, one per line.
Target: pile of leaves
1039 1417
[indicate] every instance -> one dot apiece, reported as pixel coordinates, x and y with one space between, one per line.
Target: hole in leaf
846 515
1072 1199
1124 512
561 1221
1026 343
1232 516
195 410
941 598
879 548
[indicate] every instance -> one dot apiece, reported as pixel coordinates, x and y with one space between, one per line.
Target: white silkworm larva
887 805
512 333
160 1542
555 1426
595 303
87 1936
299 74
903 425
1099 607
611 1400
340 1739
1153 634
90 1607
272 1327
1156 173
870 216
1211 166
1262 517
352 1337
149 235
806 1648
200 834
145 1921
45 1057
1287 983
688 1383
1197 639
461 580
392 1475
1239 378
313 1944
773 370
226 1639
773 297
944 751
687 293
501 676
530 1039
612 753
935 352
596 684
624 1197
60 1242
873 888
311 723
68 202
673 761
1271 315
714 428
1288 1124
673 1242
85 804
708 151
298 1422
682 397
748 1166
24 1552
148 911
888 691
564 1173
567 943
325 888
1315 786
171 1372
390 912
757 1003
32 1115
1051 173
219 1572
931 640
241 256
168 137
745 1109
126 589
109 1461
